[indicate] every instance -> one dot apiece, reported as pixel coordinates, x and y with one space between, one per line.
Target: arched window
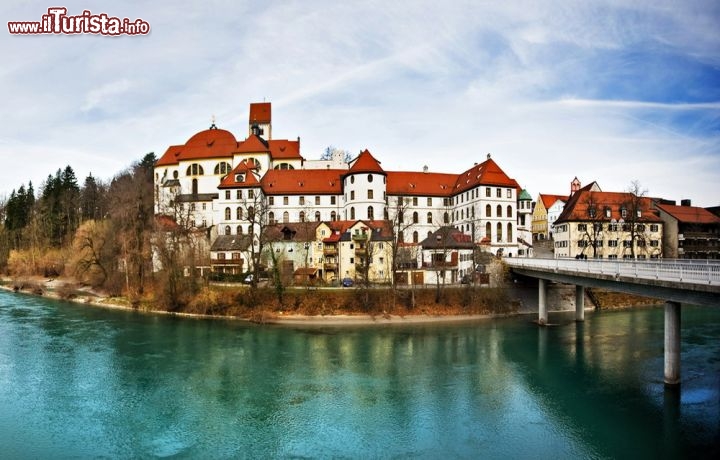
317 216
429 233
370 213
416 219
488 231
271 217
251 213
352 213
429 218
499 231
195 170
286 217
302 216
227 229
488 211
415 237
509 211
222 168
446 218
239 230
333 216
228 214
509 232
239 213
194 187
370 177
499 211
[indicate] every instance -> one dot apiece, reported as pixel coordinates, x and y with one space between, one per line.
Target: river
84 382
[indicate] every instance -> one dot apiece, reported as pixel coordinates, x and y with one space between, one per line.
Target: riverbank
68 290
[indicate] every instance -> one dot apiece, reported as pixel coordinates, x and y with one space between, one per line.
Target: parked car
347 282
248 279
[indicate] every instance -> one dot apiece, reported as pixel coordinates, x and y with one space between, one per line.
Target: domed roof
212 137
210 143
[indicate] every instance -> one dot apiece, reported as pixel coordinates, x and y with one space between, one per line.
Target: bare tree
332 151
400 222
635 208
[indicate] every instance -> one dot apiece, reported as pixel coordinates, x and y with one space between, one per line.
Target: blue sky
611 91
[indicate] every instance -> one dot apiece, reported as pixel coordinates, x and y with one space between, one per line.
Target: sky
608 91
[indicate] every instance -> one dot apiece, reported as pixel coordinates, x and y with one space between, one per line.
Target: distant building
690 232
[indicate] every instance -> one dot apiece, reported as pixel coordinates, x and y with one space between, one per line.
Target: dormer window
591 212
608 212
239 177
623 212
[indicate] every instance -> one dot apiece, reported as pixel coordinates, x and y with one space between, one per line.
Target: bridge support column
672 343
579 303
542 302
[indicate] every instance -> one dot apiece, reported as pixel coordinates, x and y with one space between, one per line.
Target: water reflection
106 383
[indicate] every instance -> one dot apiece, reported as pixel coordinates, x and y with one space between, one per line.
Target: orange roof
485 173
549 200
253 144
366 163
249 179
577 207
211 143
260 112
302 182
404 183
285 149
690 214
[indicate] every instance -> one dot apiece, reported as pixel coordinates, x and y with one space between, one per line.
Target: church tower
259 122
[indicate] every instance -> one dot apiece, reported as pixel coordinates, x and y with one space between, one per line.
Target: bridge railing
674 270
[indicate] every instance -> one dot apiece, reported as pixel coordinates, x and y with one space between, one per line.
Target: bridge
676 281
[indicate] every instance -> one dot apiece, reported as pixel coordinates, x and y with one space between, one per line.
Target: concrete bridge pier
579 303
672 343
542 302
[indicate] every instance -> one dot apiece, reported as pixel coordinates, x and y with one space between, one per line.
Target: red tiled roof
365 163
576 209
249 179
260 112
485 173
211 143
549 200
404 183
690 214
253 144
285 149
301 182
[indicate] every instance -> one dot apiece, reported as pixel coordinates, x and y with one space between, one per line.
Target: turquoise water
79 382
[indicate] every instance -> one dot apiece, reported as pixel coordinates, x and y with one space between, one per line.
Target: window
352 179
317 201
221 256
415 218
509 232
251 213
370 177
654 227
271 200
623 212
415 237
429 218
332 199
509 193
498 210
487 192
429 202
446 218
222 168
499 231
238 195
271 217
352 213
654 243
400 237
488 211
414 201
627 243
227 194
239 230
612 243
446 202
285 201
175 174
582 227
227 229
608 212
302 216
204 206
509 211
302 200
613 227
194 187
488 232
370 194
352 259
352 194
640 228
498 193
317 216
286 217
195 170
582 243
239 213
370 213
228 213
333 216
192 206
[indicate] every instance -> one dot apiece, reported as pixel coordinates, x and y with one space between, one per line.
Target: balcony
360 236
330 266
439 264
330 251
